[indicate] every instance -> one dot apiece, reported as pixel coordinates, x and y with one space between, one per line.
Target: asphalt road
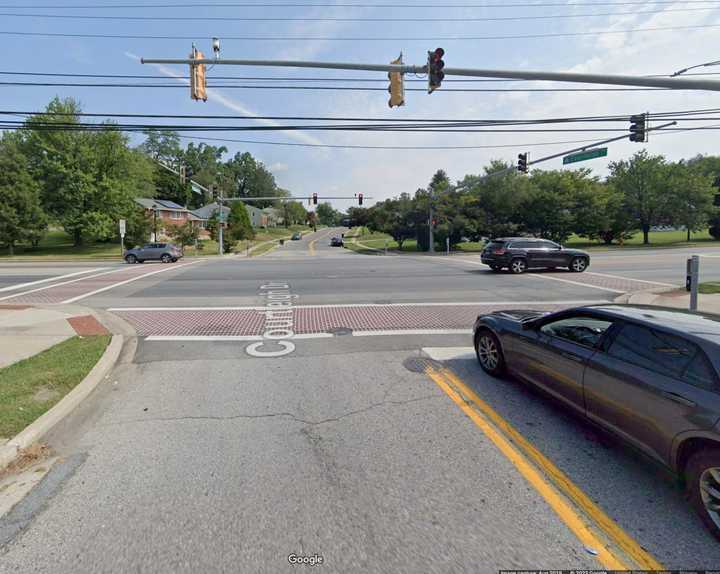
197 456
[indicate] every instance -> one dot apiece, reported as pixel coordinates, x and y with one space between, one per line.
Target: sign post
122 237
585 155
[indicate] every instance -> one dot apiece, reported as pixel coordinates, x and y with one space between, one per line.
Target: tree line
638 194
55 171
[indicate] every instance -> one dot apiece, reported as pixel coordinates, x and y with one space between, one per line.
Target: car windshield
279 282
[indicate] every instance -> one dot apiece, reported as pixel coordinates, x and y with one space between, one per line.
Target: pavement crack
288 415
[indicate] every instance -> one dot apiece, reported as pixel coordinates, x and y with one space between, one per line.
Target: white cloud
217 96
278 167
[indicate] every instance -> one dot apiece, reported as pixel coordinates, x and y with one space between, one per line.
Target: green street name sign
583 155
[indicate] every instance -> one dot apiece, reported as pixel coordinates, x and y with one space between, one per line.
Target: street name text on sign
585 155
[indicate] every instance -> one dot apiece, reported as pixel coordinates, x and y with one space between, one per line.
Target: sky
378 174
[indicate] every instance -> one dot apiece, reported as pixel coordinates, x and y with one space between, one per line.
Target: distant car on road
650 375
165 252
336 242
296 236
518 254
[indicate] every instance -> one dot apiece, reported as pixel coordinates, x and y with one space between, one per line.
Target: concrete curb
644 297
35 431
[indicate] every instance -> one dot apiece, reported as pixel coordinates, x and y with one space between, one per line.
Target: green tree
691 201
643 181
139 226
358 216
185 234
21 217
600 214
294 213
326 215
395 217
239 226
89 178
250 178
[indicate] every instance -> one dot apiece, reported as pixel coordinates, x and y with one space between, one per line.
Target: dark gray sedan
165 252
650 375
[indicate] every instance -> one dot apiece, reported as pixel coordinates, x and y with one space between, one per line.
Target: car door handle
678 399
573 357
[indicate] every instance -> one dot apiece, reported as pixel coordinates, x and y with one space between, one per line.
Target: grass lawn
31 387
657 239
59 245
709 288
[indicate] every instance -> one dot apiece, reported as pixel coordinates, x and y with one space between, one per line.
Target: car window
161 245
700 373
586 331
548 245
522 245
654 350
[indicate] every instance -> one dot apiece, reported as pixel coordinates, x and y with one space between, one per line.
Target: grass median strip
31 387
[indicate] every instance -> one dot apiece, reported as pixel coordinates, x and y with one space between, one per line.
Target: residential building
163 213
274 216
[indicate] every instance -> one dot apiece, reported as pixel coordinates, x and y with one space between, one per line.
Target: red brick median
87 326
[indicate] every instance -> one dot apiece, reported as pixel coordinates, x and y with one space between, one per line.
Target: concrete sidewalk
675 299
27 330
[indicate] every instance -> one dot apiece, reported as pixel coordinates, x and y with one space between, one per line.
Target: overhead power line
350 5
348 19
344 38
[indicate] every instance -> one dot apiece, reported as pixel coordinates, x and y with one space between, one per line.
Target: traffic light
314 197
396 87
360 198
638 125
435 66
522 164
198 83
183 176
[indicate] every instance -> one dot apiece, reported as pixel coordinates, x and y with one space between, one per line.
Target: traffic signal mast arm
605 79
566 152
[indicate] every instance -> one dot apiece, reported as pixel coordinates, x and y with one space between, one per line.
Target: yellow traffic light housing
396 87
197 77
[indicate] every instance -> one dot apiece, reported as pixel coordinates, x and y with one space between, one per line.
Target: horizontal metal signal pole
677 83
566 152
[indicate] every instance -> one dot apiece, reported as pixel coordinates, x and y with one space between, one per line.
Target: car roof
519 239
701 325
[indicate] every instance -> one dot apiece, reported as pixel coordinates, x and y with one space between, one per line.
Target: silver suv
165 252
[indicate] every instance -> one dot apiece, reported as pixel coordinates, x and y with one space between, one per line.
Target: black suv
521 253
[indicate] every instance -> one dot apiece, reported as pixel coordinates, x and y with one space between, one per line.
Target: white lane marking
539 276
313 336
629 279
60 284
55 278
204 338
449 353
412 332
108 287
349 305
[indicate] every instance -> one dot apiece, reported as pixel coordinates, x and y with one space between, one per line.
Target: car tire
518 266
578 264
496 268
489 352
174 259
166 258
703 471
131 259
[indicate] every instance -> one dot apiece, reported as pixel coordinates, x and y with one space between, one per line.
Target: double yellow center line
582 516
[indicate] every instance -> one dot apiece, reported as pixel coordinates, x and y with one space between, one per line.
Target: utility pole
220 220
431 231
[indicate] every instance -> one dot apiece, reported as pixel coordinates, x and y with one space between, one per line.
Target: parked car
336 242
296 236
647 374
165 252
518 254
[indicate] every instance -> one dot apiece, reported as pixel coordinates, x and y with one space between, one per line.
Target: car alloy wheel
166 258
710 493
131 259
578 265
518 266
488 353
